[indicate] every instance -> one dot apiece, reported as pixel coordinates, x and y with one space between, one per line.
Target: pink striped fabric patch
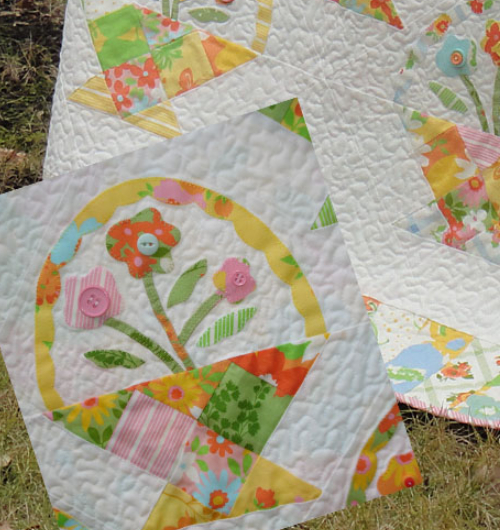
483 148
74 285
151 435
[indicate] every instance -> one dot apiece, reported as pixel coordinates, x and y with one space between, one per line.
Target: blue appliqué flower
448 57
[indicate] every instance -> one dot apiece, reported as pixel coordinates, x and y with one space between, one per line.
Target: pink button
239 279
93 301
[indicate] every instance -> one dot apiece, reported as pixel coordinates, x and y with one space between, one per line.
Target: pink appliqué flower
180 193
234 281
91 299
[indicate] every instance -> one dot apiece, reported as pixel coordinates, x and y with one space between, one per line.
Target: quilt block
182 353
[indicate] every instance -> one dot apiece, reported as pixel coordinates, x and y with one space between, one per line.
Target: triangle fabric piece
384 10
270 486
289 115
148 58
224 55
201 431
326 216
277 372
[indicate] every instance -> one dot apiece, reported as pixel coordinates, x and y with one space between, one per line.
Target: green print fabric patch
118 37
244 409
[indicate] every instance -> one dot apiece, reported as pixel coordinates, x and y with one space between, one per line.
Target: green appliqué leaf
209 14
195 444
113 358
448 97
185 284
226 327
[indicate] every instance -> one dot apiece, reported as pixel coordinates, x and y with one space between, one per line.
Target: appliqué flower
91 299
142 241
491 41
234 281
264 499
453 57
216 492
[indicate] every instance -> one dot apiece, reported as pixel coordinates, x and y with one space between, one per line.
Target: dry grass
461 464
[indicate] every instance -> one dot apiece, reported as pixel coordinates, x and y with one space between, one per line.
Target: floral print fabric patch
438 368
463 176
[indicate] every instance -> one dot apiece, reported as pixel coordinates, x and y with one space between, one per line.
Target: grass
461 464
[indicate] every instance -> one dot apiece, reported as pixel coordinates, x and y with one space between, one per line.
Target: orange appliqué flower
122 241
491 42
49 284
392 419
265 499
218 444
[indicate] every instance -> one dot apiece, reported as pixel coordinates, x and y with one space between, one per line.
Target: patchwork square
161 30
213 469
135 85
183 64
244 409
118 37
151 435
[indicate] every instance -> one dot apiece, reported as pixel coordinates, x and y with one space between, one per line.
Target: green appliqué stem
198 316
165 322
496 105
481 114
148 343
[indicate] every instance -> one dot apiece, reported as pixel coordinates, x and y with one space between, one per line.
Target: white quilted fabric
274 174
